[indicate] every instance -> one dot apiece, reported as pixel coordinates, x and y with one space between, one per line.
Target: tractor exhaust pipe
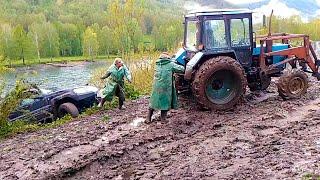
270 18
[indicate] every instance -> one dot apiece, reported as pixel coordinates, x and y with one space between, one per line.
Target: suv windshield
191 35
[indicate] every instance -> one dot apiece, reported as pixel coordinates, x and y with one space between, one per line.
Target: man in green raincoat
115 83
164 95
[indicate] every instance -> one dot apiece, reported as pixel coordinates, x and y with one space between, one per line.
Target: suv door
36 109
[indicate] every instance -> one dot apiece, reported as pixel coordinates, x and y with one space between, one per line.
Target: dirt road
273 139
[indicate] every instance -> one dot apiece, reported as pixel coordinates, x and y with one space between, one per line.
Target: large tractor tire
219 83
292 84
68 108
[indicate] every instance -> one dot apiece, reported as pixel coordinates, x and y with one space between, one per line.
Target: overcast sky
280 8
252 1
243 1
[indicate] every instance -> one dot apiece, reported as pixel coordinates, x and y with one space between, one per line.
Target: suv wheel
68 108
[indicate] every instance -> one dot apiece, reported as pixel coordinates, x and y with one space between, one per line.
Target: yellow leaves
59 2
90 43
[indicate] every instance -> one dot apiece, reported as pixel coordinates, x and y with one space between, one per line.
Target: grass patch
106 118
311 176
90 111
19 127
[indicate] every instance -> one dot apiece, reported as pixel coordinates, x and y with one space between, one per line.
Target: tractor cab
219 31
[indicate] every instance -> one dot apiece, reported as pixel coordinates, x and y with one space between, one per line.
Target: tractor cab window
240 32
192 35
215 36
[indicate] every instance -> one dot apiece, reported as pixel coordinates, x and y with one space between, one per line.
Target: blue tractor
222 59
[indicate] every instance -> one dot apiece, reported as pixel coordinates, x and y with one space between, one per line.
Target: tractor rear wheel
292 84
219 83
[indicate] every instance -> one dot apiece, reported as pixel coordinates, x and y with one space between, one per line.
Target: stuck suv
46 106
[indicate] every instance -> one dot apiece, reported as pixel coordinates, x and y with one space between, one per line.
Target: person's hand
130 81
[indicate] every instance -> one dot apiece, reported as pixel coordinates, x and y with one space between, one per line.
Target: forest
35 29
31 30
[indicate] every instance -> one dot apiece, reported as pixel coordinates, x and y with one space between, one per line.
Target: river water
53 77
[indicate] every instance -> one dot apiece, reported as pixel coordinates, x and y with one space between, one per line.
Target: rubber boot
163 116
121 106
101 103
150 113
121 97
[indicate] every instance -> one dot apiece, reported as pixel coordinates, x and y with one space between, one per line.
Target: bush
10 102
131 92
142 76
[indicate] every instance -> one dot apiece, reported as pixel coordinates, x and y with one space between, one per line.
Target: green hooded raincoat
115 78
164 95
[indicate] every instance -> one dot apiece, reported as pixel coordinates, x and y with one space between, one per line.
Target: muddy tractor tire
68 108
292 84
219 83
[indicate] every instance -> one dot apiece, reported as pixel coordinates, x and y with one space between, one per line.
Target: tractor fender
197 58
191 64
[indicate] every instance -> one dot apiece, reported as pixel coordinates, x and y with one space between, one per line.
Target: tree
105 41
90 43
70 40
36 34
50 44
6 42
22 44
134 33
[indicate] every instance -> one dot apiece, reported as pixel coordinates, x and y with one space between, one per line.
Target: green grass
18 127
106 118
310 176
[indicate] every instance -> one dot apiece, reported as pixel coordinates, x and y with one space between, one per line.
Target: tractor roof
212 12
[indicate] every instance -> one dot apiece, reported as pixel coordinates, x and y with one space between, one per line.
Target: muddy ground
273 139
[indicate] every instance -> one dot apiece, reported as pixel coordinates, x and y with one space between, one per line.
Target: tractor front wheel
219 83
292 84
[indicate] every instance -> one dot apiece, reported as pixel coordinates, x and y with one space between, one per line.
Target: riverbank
66 60
62 60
